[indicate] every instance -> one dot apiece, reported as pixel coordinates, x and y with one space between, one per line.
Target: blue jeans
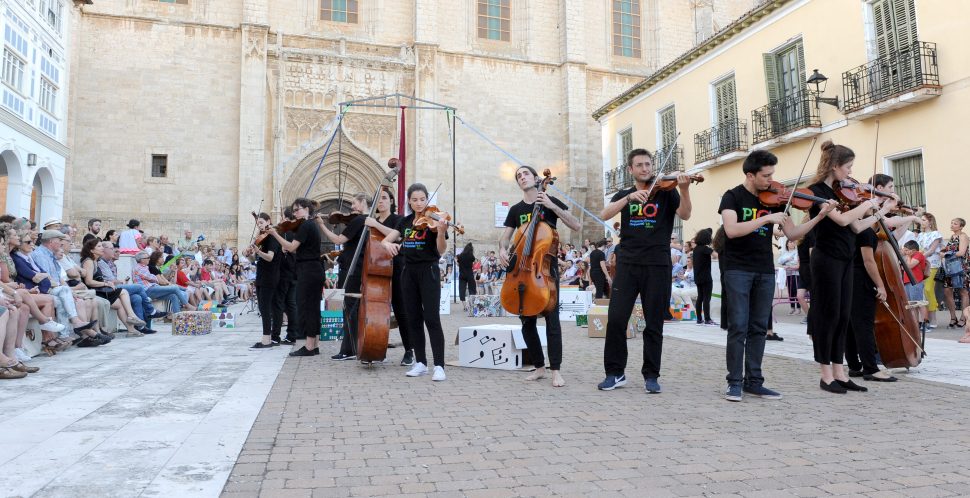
140 303
174 294
750 309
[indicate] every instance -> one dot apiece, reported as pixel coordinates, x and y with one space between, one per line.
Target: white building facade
33 107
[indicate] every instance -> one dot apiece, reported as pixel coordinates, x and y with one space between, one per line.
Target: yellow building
897 66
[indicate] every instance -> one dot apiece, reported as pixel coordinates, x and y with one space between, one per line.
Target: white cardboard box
494 346
573 302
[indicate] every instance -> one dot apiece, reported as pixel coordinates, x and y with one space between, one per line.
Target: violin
432 218
777 195
338 218
262 233
667 183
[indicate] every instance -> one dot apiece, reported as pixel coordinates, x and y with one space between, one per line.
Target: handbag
940 276
953 265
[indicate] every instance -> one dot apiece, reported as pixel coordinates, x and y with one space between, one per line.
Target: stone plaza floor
205 416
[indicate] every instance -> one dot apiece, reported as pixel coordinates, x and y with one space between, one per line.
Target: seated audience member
120 300
10 367
112 236
156 285
683 287
94 229
39 269
40 306
220 289
571 275
141 302
193 290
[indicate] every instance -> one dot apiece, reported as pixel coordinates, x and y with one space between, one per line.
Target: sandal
953 323
50 347
962 323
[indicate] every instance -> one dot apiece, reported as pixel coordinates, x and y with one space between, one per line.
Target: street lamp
818 79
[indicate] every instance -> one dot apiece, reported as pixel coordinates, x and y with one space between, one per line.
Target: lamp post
818 79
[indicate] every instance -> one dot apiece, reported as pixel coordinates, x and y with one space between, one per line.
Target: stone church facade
190 114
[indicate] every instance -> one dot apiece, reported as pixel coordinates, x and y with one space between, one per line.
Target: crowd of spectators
73 290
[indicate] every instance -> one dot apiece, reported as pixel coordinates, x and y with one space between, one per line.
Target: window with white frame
626 143
50 11
48 96
907 175
13 70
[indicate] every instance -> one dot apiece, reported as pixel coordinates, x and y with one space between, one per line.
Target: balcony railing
676 161
729 136
617 179
794 112
891 75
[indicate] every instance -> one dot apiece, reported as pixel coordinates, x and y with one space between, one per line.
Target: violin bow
252 237
800 173
663 164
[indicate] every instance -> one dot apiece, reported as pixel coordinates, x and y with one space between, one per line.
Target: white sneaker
52 326
418 370
21 355
439 374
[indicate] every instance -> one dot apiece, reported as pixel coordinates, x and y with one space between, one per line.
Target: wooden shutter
726 101
668 127
772 83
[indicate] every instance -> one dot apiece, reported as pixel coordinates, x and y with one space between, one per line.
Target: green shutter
668 127
800 54
772 82
879 14
726 101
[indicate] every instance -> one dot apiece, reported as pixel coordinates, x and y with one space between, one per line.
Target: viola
668 182
338 218
777 195
432 218
529 288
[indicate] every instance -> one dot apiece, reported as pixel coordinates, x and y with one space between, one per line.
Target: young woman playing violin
306 249
832 272
269 255
386 208
521 214
422 245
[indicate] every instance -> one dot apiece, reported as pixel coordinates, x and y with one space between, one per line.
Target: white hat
52 221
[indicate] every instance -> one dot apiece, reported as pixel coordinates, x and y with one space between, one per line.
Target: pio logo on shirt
412 234
524 219
643 215
748 214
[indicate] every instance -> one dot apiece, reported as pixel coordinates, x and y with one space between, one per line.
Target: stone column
252 115
576 108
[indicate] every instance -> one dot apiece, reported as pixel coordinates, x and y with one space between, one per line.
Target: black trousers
599 280
831 307
652 284
724 296
397 305
421 285
269 311
348 344
309 286
704 291
286 300
466 280
860 341
530 333
791 283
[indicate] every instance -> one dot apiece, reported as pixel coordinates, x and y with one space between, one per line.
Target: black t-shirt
595 258
288 260
418 246
830 238
153 269
268 272
308 235
751 253
466 260
353 231
804 246
521 213
645 228
392 221
702 264
865 238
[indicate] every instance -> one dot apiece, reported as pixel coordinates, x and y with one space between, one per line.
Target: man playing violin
521 214
643 267
749 271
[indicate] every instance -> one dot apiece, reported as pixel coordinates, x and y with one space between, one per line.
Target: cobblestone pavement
341 429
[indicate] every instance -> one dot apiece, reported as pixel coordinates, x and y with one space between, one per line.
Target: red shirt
918 269
182 280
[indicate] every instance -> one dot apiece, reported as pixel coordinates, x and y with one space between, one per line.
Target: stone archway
352 169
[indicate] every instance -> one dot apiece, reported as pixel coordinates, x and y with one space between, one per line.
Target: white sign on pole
501 212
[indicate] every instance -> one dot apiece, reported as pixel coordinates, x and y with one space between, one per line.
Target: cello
530 288
374 312
897 332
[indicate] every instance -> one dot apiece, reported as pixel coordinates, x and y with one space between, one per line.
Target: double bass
530 287
374 313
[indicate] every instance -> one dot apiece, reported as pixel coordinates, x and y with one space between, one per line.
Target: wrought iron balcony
617 179
891 75
792 113
676 161
729 136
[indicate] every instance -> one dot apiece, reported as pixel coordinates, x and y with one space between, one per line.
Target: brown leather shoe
20 367
10 373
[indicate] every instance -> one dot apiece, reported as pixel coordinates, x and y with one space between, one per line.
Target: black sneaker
303 351
158 314
855 373
342 357
287 342
146 331
260 345
274 342
315 351
88 342
408 359
774 337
